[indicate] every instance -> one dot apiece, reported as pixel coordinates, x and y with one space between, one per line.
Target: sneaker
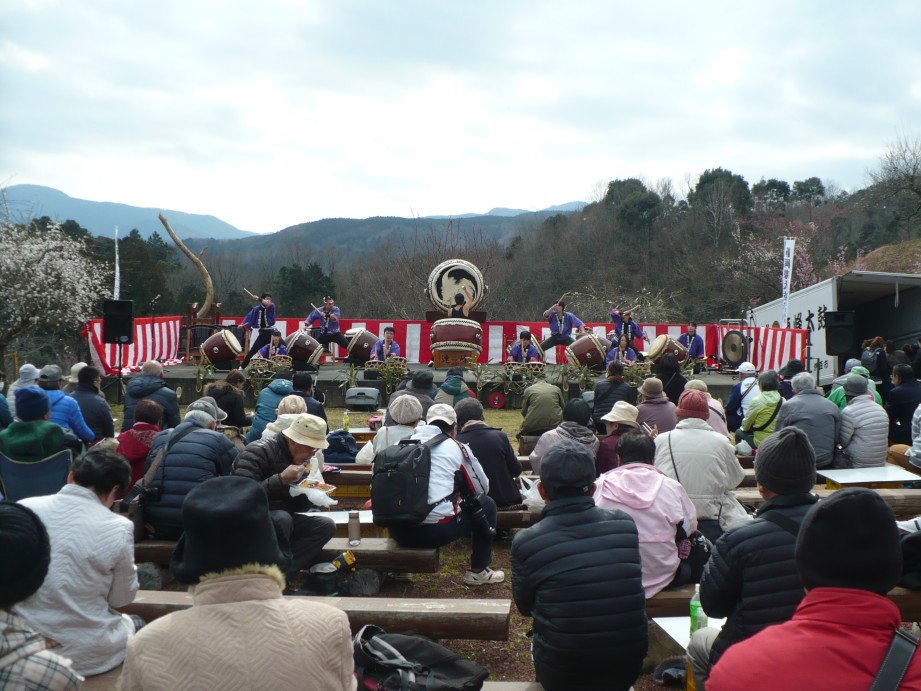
485 577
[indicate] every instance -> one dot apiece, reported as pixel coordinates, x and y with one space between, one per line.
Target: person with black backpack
451 515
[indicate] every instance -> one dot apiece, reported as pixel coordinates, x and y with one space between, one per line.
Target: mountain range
35 201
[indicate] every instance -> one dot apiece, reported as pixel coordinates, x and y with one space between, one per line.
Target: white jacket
92 571
447 458
864 433
706 466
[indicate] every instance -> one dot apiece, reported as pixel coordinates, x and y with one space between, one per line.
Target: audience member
705 464
286 413
761 415
32 436
901 403
28 376
717 419
668 370
786 374
862 436
908 456
64 410
421 387
848 557
266 405
193 453
93 406
618 421
92 565
249 635
302 383
751 578
492 449
586 634
25 553
661 509
837 396
70 383
150 384
608 392
134 444
449 520
6 416
454 389
741 395
541 407
405 411
811 412
654 408
577 417
279 463
228 395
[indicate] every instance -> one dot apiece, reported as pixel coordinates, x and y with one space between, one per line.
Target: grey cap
51 373
855 385
851 364
207 404
567 464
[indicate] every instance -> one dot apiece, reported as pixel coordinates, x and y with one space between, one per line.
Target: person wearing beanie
92 568
654 408
454 389
848 556
837 395
577 417
492 449
421 387
588 634
250 635
717 418
761 415
25 553
741 396
405 412
863 436
704 462
751 578
32 436
542 409
28 376
811 412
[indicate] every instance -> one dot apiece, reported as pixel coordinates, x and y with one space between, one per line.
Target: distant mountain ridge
568 207
100 218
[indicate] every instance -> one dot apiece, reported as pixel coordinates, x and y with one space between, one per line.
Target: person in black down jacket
492 449
96 411
751 577
197 453
608 392
228 395
151 385
577 572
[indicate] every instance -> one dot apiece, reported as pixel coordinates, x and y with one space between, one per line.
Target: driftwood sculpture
205 276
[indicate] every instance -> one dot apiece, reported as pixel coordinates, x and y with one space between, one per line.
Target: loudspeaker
840 334
118 321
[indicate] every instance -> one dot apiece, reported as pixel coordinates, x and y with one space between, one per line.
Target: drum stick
254 297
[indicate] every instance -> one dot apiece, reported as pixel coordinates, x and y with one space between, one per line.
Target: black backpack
342 448
395 662
868 360
400 483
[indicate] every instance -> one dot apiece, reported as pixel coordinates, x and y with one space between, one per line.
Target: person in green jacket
761 415
454 390
837 395
31 437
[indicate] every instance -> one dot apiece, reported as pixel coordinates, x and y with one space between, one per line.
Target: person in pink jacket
659 506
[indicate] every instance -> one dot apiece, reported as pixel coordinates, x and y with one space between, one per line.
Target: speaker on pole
841 334
118 321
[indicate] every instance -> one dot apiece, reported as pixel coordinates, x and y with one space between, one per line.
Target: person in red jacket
134 444
848 556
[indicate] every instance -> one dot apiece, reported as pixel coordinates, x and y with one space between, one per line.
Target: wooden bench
380 553
484 620
905 503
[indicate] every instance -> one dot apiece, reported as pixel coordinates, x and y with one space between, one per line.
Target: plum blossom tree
47 283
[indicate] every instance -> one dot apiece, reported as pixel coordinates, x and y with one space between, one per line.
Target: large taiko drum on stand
588 350
446 280
456 342
361 343
303 348
220 347
665 345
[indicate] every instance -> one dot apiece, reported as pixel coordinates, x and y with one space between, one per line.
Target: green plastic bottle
698 616
345 421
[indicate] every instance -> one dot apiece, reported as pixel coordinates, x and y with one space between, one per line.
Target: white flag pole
118 279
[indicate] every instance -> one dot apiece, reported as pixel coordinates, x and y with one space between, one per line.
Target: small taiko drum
664 345
457 330
513 367
281 362
397 362
535 369
361 342
258 365
373 365
221 346
588 351
304 348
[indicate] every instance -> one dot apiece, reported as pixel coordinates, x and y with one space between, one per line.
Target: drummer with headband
329 324
695 345
385 347
262 319
523 350
561 326
275 347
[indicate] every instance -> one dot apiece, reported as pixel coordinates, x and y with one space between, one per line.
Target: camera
471 505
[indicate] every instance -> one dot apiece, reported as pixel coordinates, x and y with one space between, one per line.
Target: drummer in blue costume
561 325
523 350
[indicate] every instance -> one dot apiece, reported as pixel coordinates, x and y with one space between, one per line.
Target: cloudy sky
273 113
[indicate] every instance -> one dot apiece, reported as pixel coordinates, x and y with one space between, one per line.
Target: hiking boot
485 577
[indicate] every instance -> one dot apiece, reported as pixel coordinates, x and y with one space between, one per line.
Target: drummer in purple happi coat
261 320
276 347
621 353
561 325
385 347
695 345
625 325
329 323
523 350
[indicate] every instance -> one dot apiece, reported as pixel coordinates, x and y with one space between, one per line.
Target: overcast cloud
279 112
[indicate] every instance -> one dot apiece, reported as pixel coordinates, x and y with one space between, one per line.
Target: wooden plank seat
747 462
381 553
521 518
905 503
484 620
525 463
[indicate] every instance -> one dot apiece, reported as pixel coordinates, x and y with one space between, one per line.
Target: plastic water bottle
698 616
345 421
354 529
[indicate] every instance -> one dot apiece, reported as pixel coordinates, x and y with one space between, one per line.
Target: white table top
854 476
679 628
341 517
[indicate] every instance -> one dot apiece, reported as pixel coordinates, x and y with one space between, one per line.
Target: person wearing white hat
28 376
70 383
619 420
278 463
741 395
